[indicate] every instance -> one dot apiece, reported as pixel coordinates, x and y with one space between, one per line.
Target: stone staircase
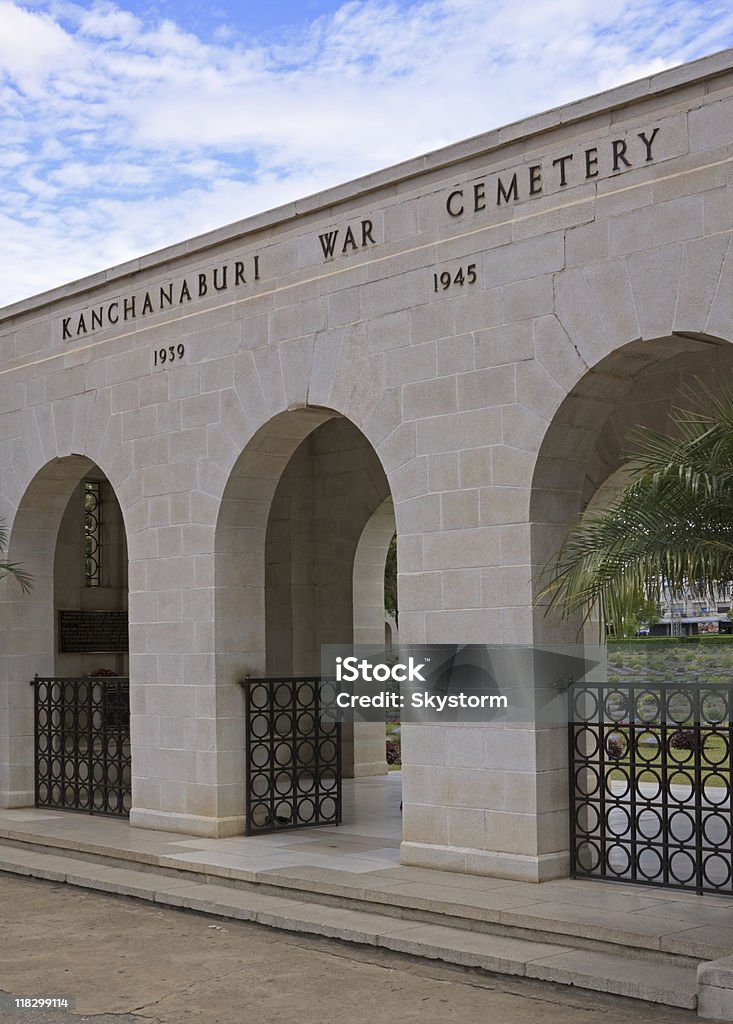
572 951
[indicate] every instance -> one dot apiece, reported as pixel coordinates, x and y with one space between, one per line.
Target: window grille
92 532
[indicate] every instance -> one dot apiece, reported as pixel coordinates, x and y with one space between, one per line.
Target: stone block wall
490 318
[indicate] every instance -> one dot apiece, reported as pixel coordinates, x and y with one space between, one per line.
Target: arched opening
90 577
302 538
584 450
622 742
68 532
364 742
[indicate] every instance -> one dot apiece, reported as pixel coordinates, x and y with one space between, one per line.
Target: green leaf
670 529
13 569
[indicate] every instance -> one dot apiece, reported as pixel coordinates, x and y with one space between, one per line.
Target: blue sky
264 21
128 126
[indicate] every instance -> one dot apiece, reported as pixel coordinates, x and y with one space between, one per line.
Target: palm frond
670 529
13 569
19 575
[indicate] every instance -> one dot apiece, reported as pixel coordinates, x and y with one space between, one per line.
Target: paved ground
126 962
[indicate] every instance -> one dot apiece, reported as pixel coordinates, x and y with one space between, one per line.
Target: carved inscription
174 294
531 180
528 181
445 279
338 241
169 354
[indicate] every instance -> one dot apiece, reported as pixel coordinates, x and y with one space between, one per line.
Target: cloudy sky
128 126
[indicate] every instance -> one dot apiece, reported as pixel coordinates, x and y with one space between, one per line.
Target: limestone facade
454 347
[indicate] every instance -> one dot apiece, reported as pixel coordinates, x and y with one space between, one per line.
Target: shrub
614 747
394 753
684 739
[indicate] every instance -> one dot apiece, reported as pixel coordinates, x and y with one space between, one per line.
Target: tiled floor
367 840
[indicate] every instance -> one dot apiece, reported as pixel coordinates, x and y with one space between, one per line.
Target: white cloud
30 44
123 134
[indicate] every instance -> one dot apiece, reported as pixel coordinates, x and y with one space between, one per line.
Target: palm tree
670 528
13 569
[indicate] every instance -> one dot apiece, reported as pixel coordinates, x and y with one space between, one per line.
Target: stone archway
367 739
584 445
47 537
294 527
581 461
368 576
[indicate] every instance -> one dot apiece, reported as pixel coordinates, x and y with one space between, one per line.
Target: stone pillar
486 798
27 636
26 650
364 742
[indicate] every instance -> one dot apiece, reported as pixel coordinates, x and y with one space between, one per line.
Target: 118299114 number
444 280
168 355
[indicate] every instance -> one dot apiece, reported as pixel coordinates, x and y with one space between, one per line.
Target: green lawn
715 766
655 663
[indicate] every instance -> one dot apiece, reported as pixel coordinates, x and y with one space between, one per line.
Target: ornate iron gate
293 755
82 744
650 784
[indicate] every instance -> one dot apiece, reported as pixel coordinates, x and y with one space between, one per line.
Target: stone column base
190 824
366 769
517 867
18 798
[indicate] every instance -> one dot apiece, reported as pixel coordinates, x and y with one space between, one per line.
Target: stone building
453 348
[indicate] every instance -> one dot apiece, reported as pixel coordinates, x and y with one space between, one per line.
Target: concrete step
671 982
432 897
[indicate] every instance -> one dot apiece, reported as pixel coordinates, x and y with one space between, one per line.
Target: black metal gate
650 784
82 744
293 755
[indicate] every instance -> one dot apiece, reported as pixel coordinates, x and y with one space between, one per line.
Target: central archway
296 561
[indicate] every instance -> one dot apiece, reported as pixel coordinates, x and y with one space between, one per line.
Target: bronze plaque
93 633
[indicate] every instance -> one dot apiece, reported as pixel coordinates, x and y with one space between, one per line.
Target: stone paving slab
213 899
444 899
710 942
686 897
122 849
450 900
334 922
637 979
601 925
245 869
331 881
718 973
702 915
715 989
714 1003
452 879
119 881
470 949
357 865
602 897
